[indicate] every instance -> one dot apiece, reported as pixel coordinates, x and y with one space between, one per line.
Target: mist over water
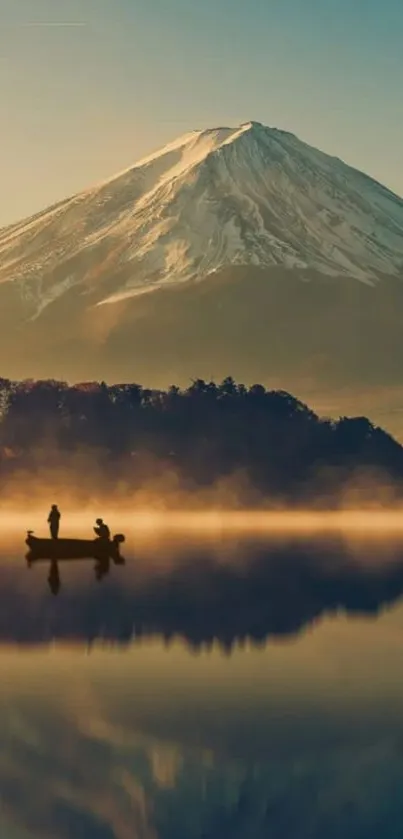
205 522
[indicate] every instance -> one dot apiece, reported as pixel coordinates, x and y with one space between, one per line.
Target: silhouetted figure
102 529
53 521
54 578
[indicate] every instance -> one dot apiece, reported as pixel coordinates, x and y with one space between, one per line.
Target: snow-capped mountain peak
213 198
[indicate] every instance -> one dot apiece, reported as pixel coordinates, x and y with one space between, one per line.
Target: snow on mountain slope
228 196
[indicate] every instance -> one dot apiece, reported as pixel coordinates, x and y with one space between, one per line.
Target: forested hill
205 434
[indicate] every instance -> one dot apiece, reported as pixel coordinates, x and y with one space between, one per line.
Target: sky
87 87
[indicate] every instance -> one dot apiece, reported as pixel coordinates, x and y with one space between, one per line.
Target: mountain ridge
248 195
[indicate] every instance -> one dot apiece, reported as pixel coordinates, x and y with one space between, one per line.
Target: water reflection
261 590
297 738
54 550
102 568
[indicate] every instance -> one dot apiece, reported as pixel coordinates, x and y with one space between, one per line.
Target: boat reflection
70 550
101 570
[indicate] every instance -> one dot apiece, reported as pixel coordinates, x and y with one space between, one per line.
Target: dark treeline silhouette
205 433
276 591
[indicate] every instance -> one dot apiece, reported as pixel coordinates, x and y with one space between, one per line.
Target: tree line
205 432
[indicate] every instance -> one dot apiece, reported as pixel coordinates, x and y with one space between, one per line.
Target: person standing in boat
102 529
54 521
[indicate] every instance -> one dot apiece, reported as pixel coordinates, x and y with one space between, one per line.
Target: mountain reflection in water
296 738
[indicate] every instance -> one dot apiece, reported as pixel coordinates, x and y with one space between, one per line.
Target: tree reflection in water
268 590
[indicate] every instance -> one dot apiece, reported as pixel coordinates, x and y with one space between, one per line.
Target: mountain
266 258
247 196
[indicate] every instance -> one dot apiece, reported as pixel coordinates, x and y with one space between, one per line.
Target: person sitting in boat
54 521
102 529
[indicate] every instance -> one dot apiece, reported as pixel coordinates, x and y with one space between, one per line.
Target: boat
59 549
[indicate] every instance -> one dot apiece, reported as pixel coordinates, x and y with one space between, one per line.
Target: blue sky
111 81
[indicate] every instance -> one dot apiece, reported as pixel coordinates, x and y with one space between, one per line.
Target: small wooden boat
59 549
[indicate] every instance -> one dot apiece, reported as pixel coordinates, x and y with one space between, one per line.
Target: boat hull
59 549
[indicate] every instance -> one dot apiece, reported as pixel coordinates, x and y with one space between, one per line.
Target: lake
214 687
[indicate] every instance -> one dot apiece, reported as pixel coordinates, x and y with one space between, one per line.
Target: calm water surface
209 688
